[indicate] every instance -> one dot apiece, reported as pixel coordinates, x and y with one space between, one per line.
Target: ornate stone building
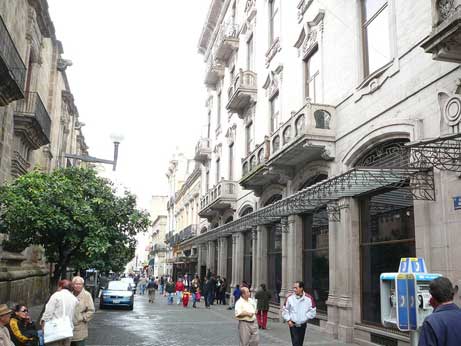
158 249
332 150
39 124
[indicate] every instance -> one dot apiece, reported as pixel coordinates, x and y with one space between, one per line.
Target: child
185 298
236 296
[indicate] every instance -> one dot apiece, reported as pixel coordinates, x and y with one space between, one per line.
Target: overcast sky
136 71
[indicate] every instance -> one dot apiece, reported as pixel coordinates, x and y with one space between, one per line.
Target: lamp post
116 139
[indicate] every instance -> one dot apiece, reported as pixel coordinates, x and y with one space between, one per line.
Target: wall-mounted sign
457 202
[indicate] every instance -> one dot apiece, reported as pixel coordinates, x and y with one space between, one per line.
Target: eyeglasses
25 310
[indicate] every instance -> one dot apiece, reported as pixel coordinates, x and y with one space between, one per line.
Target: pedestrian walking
61 304
161 285
185 298
299 307
443 326
22 329
142 285
245 313
151 288
169 289
179 289
195 288
209 292
5 315
84 312
263 297
223 291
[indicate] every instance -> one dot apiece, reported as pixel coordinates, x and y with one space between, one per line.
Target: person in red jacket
179 290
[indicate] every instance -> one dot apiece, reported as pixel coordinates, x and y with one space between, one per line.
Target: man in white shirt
245 313
299 307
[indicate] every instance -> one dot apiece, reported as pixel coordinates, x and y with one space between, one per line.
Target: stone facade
303 97
39 124
157 255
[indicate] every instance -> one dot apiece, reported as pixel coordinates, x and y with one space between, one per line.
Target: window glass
274 21
275 113
249 137
312 72
376 39
315 257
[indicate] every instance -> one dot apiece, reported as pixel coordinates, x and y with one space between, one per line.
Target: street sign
405 285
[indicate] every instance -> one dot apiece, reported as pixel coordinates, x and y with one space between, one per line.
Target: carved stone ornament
310 35
303 5
218 149
272 83
273 50
450 112
231 134
447 8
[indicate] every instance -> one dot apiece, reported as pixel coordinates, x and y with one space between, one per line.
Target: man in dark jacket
443 326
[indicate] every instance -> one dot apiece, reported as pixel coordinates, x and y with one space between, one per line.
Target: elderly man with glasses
298 309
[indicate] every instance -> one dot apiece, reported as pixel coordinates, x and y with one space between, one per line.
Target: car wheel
131 307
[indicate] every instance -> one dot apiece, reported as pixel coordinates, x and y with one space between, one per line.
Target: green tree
75 215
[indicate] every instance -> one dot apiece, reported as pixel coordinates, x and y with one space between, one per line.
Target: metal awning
410 168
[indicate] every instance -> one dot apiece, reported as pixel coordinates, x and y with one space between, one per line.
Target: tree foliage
75 215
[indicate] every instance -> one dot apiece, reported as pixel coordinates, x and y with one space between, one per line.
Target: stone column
295 249
254 259
234 260
262 255
238 257
199 258
347 280
332 302
223 258
218 253
284 289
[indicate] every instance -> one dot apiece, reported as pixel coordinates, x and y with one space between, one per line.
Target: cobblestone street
162 324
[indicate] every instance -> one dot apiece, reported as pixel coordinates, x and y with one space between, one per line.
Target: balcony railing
12 68
214 71
220 197
202 150
444 41
256 158
242 92
32 107
313 122
188 232
227 41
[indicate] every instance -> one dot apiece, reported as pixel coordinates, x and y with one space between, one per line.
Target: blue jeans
170 298
179 296
160 287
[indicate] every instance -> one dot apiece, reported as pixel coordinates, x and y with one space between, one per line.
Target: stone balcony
444 41
242 92
214 71
221 197
254 171
12 69
227 41
203 150
158 248
32 121
308 135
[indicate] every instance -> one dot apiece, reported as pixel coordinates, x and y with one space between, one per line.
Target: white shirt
299 309
60 302
243 305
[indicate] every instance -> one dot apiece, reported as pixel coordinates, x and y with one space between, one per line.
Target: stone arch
376 137
245 209
229 213
269 192
308 171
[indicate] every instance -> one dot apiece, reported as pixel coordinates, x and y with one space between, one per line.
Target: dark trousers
209 299
297 335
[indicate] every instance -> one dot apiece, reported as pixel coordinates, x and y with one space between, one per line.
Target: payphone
405 295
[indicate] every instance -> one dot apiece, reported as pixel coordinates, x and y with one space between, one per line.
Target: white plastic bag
58 328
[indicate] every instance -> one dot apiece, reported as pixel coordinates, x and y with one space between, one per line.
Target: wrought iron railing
10 55
33 106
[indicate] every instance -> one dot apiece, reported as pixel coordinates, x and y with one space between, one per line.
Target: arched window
322 119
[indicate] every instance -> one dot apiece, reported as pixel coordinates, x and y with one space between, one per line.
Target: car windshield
118 286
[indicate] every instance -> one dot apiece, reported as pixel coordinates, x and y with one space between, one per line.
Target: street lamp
116 139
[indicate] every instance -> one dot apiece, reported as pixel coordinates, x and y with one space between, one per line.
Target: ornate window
376 35
275 112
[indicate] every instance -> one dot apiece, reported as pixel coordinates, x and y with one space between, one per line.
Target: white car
129 281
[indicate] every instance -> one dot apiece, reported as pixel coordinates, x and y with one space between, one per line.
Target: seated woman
22 329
